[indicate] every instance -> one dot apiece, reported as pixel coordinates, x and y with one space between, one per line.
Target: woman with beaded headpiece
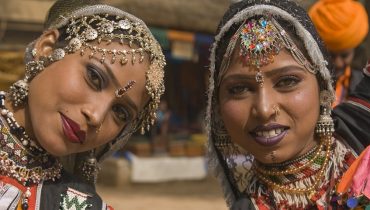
272 142
93 78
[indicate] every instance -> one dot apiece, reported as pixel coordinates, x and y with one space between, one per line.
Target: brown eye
238 89
288 82
121 113
94 77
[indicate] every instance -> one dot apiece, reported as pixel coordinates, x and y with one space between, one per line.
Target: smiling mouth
72 130
269 135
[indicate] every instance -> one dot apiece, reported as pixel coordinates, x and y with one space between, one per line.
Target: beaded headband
260 40
85 31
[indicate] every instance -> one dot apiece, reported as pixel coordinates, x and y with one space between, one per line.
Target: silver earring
58 54
34 52
33 68
19 92
90 168
325 124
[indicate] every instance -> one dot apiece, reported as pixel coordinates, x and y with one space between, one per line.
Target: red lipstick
72 130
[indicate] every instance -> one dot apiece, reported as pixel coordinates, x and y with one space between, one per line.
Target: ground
180 195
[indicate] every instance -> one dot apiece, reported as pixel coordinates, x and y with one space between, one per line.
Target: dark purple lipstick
270 134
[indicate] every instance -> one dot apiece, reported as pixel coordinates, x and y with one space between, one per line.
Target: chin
56 150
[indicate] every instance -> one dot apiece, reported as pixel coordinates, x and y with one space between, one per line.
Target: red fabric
360 101
15 183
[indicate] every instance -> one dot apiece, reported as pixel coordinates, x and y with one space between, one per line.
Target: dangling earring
18 92
325 124
90 168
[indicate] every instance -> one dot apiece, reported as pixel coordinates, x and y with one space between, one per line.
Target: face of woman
74 98
248 109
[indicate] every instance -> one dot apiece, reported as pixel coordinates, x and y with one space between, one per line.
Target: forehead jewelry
260 41
258 45
85 35
122 90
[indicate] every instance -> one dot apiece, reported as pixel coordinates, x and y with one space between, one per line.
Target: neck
20 157
22 117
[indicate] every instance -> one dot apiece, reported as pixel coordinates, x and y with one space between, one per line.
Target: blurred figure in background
343 25
160 131
352 118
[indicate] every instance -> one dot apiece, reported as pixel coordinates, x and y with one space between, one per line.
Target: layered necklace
20 157
301 182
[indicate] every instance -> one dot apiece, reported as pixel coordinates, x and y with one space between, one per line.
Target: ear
45 43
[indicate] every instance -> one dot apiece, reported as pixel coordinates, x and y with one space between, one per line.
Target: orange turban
342 24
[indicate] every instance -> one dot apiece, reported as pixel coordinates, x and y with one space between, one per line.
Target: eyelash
94 76
118 108
238 89
290 79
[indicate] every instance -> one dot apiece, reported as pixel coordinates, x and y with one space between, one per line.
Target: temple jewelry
122 90
259 42
276 110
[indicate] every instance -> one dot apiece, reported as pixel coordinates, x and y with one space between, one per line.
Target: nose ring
98 128
276 110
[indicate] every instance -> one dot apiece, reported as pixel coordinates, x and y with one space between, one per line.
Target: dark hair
289 6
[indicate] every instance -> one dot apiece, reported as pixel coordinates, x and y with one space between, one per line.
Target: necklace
20 157
298 190
291 166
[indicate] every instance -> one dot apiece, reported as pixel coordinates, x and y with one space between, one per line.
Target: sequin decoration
259 43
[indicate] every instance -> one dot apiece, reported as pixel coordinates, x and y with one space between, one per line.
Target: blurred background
165 168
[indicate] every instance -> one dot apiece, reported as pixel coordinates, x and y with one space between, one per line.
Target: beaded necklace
301 182
20 157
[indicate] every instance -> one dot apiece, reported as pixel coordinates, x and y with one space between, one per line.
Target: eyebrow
271 73
113 78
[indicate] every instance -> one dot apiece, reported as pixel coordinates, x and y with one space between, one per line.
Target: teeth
270 133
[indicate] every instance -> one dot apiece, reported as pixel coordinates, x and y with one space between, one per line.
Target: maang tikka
260 41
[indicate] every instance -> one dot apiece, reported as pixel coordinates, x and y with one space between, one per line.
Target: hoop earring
90 168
